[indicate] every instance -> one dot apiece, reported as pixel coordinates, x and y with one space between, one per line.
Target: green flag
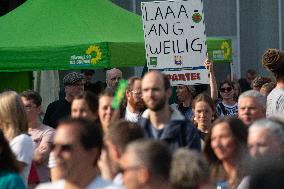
119 94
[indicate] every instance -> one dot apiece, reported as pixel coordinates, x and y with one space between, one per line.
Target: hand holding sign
208 65
175 40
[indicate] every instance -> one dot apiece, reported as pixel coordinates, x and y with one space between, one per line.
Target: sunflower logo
227 50
94 49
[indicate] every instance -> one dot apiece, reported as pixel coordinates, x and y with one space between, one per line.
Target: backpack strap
223 108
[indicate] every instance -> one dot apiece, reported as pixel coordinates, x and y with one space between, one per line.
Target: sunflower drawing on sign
227 50
95 52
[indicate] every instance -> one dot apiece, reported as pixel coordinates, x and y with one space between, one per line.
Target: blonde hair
13 118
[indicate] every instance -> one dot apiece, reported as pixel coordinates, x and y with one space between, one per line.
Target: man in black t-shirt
73 86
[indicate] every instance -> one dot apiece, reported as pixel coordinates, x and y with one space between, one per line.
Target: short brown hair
123 132
33 96
131 82
91 99
273 60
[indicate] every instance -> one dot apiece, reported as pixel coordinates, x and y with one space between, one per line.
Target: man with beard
161 122
135 105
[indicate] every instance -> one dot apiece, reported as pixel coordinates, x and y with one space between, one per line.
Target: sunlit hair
268 86
274 127
259 81
13 118
261 100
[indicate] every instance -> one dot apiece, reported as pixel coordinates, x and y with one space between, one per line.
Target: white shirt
275 102
130 116
96 183
118 179
23 148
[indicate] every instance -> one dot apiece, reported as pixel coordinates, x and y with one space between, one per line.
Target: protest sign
175 40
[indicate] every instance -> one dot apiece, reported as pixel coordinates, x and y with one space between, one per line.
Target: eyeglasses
138 93
124 169
62 147
29 107
228 89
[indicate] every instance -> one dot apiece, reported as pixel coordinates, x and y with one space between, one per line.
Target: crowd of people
231 137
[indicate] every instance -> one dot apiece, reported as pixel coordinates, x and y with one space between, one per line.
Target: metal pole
280 24
238 37
134 6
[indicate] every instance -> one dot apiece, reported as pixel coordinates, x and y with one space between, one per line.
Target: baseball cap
72 78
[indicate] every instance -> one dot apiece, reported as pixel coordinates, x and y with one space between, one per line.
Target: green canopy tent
73 34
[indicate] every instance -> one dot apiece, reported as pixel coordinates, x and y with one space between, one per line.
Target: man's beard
138 106
159 105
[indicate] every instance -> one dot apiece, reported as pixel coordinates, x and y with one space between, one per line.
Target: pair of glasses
138 93
62 147
224 89
29 107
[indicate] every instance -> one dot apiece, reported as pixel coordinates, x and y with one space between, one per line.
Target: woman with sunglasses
228 105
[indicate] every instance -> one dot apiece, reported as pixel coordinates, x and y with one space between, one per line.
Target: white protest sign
175 40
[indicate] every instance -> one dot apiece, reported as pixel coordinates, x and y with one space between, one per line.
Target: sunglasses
228 89
62 147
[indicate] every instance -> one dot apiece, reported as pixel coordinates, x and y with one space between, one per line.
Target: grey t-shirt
275 102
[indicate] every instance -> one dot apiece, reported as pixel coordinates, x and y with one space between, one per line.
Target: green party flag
119 94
